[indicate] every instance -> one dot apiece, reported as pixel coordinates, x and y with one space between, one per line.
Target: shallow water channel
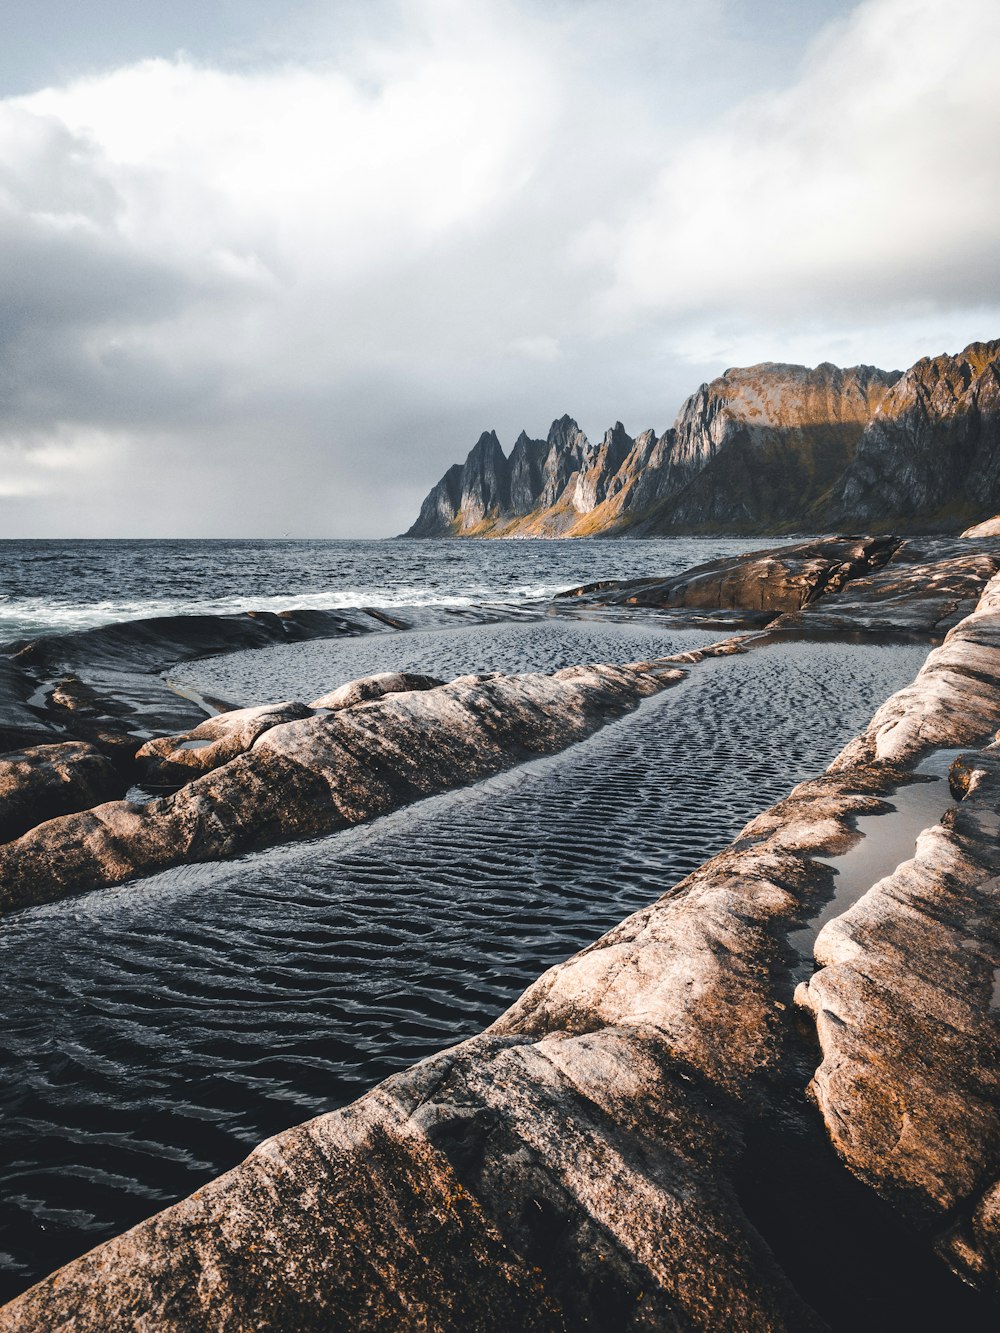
887 839
156 1032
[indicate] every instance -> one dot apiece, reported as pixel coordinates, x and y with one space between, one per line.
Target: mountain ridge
770 448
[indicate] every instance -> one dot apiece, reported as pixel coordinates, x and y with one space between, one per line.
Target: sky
269 270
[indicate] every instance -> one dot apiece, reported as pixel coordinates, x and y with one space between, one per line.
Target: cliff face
768 448
934 448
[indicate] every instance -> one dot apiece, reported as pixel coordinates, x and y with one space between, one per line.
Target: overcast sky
270 269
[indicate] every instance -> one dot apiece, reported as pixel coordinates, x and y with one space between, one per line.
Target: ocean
55 586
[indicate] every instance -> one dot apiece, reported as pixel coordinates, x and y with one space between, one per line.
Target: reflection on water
887 840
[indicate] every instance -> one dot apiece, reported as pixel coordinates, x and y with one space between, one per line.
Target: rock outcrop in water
262 776
769 448
581 1163
105 685
836 585
761 584
833 585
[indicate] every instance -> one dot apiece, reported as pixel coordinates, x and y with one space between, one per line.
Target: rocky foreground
584 1162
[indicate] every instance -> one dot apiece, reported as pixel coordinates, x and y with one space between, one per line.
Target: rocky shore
584 1162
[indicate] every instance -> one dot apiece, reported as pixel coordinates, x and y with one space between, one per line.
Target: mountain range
770 448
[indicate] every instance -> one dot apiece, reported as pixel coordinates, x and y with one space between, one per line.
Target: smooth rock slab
906 1001
785 578
988 528
104 685
43 781
954 700
174 760
925 588
324 772
906 1011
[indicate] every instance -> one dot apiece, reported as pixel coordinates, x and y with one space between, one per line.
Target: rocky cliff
769 448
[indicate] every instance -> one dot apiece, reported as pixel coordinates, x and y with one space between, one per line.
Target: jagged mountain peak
487 444
765 448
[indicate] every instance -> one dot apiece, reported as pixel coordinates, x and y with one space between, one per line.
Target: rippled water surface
307 670
66 585
154 1033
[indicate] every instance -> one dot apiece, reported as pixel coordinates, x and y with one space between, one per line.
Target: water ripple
155 1032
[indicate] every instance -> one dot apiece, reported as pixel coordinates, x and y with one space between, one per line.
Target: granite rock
322 772
44 781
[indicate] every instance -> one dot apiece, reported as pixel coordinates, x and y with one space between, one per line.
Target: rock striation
905 1001
578 1164
106 685
767 448
904 588
759 585
932 451
263 775
45 781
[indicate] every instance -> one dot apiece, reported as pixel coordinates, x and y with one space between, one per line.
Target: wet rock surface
579 1163
832 586
105 685
44 781
327 770
905 1001
925 588
761 583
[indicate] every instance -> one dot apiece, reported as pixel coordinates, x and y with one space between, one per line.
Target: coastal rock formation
757 449
932 452
905 1001
105 685
576 1164
768 448
366 688
44 781
954 700
925 588
916 587
909 1085
785 578
282 779
170 761
989 528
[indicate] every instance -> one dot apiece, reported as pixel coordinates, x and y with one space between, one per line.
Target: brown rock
44 781
989 528
320 773
573 1165
367 688
906 998
784 578
172 760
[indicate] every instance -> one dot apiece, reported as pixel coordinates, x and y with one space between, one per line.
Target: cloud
290 293
867 189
